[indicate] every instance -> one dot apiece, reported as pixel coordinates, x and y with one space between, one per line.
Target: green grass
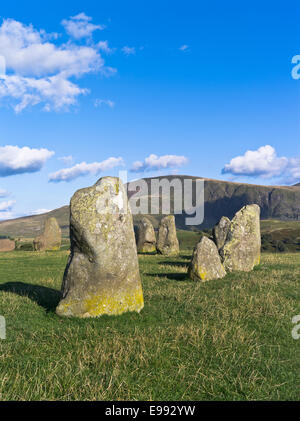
222 340
269 225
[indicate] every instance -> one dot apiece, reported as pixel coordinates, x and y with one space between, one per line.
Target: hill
31 226
221 198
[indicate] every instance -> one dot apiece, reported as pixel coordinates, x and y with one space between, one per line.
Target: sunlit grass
220 340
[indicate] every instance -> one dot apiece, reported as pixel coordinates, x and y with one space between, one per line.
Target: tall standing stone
220 231
241 250
167 243
206 263
146 238
102 275
51 237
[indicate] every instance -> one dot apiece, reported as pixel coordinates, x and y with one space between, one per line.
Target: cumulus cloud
39 71
79 170
80 26
107 102
154 162
7 206
128 51
264 163
15 160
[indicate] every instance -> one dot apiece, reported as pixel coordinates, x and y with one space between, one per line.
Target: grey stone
146 238
51 237
206 263
167 243
102 275
220 231
241 251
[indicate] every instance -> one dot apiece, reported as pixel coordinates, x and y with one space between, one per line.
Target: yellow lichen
98 305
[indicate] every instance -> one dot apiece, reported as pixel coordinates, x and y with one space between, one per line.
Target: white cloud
183 47
154 162
128 51
39 211
56 92
107 102
265 163
4 193
27 52
39 71
83 168
103 46
262 162
7 206
15 160
294 170
80 26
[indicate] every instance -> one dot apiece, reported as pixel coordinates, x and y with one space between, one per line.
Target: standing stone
206 263
51 237
102 274
7 245
146 239
241 250
167 243
220 231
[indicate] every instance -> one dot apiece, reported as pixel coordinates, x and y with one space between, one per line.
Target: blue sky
194 87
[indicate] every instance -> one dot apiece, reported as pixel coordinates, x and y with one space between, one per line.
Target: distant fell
222 198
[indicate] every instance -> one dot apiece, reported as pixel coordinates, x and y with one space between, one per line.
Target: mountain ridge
222 198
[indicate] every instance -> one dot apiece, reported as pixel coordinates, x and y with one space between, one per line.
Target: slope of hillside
221 198
31 226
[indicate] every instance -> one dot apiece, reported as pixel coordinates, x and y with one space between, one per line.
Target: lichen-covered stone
51 237
241 250
206 263
7 245
146 239
102 275
220 231
167 243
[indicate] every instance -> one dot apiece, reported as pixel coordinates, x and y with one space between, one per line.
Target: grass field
222 340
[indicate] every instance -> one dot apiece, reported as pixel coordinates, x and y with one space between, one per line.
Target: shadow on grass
179 264
187 257
171 276
47 298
